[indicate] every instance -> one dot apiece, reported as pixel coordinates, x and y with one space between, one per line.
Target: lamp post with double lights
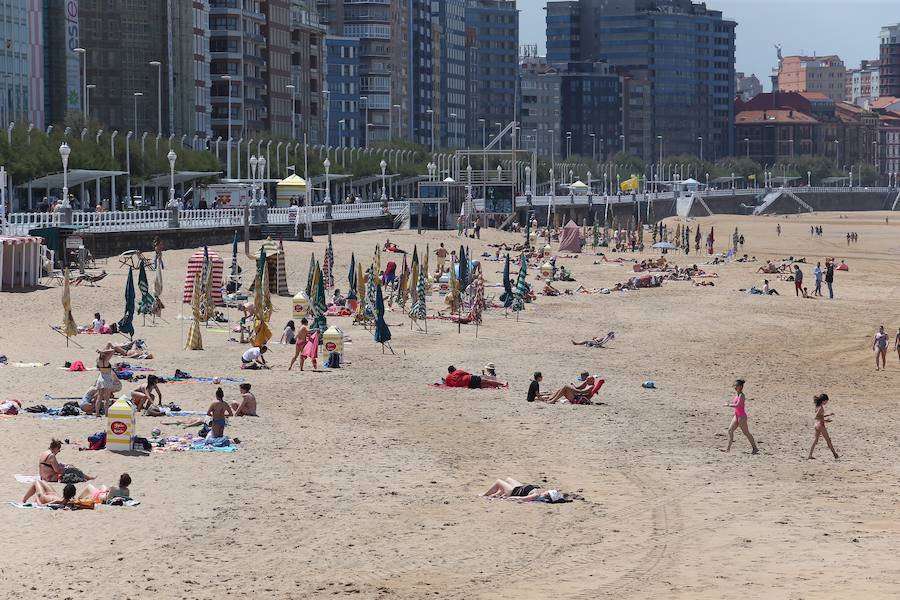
172 158
700 139
328 214
528 199
254 162
83 54
64 152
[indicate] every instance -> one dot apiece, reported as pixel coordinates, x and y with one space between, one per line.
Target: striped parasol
478 302
194 339
452 299
403 284
310 275
69 328
204 290
361 291
351 278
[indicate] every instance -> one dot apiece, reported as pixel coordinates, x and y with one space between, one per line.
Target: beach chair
586 397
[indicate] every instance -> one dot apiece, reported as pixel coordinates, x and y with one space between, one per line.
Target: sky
848 28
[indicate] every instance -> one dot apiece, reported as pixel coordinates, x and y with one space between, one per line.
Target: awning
163 180
292 181
75 177
829 180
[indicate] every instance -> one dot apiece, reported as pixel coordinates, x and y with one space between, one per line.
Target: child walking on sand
821 431
219 410
740 417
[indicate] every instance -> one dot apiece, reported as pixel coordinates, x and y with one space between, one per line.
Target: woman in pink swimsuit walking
740 417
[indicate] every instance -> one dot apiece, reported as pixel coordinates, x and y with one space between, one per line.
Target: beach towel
77 366
115 502
27 478
311 349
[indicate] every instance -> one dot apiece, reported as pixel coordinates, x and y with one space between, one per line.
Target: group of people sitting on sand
50 471
581 391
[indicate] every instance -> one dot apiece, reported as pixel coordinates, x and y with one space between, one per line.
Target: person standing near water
740 417
879 345
821 431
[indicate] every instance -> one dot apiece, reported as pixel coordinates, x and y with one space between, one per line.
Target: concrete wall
106 244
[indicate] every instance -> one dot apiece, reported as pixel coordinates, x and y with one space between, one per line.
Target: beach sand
366 481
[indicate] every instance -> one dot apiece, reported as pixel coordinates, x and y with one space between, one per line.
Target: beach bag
72 475
334 361
97 441
83 504
70 410
143 443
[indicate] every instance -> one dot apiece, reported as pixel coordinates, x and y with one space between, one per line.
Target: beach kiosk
290 188
120 425
301 305
333 341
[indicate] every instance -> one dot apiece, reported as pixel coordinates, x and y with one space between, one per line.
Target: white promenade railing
157 219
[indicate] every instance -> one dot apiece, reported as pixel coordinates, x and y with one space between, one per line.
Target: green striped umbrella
518 304
146 305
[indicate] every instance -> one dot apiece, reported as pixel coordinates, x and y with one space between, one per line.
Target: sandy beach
365 481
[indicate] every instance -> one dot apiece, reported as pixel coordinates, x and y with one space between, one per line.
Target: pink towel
311 349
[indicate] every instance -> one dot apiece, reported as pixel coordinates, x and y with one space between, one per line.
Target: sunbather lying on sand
102 494
45 495
596 342
511 489
462 379
132 349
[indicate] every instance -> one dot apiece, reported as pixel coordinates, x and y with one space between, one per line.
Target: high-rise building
678 58
564 31
17 73
825 74
307 65
450 17
383 28
864 84
237 49
492 32
63 89
747 87
571 108
130 92
890 60
342 77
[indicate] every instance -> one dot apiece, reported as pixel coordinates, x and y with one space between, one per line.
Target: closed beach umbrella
360 291
126 323
312 273
208 301
194 339
419 310
463 270
69 328
382 331
328 266
478 302
697 239
414 281
158 305
403 284
507 296
351 278
260 262
518 304
234 253
452 299
317 303
146 305
371 286
377 260
203 290
261 331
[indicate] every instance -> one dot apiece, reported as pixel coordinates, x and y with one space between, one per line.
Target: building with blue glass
450 17
678 60
342 79
492 34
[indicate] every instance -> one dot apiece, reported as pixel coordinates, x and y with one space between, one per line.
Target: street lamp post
327 165
172 158
366 139
837 154
528 193
594 147
568 145
261 171
83 53
293 89
254 163
550 201
700 139
64 152
809 179
136 96
431 113
622 139
227 80
383 166
158 65
747 142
